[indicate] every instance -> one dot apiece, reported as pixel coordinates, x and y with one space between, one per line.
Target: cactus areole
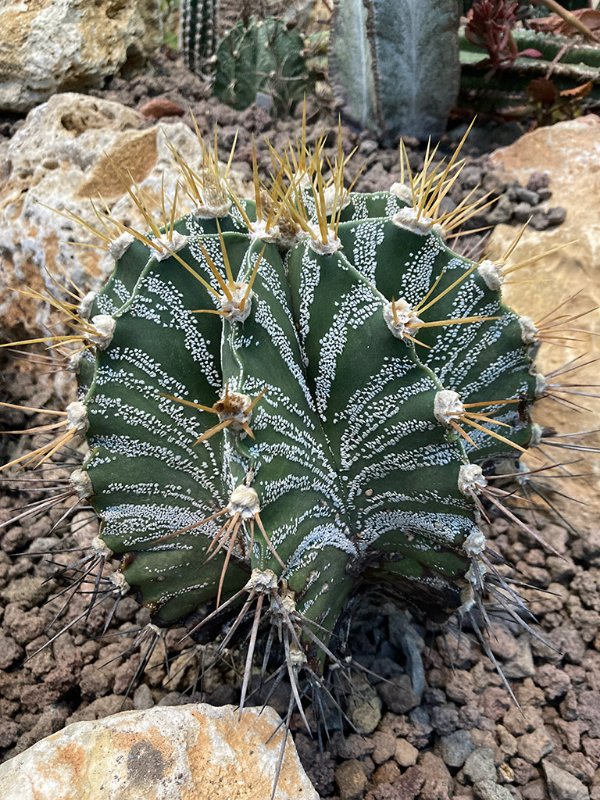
292 398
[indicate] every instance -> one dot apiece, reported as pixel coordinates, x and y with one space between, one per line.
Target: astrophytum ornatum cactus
289 399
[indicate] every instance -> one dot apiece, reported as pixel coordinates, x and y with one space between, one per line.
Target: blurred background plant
537 61
543 68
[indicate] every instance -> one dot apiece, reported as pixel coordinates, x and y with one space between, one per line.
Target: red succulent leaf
489 25
529 52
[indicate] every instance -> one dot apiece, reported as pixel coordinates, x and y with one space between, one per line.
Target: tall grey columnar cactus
289 399
395 64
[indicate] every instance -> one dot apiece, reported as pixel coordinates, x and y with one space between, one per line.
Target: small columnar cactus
198 32
291 398
261 56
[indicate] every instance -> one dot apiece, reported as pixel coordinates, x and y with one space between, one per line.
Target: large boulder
164 753
49 46
570 153
71 151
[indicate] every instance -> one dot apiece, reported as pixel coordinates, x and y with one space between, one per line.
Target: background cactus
570 64
197 32
262 56
395 64
292 398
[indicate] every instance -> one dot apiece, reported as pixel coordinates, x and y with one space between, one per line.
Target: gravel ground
462 736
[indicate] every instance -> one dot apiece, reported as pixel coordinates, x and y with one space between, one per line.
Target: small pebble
501 211
539 221
364 706
480 766
398 694
534 746
405 754
556 215
527 196
351 780
489 790
456 747
537 181
522 212
562 785
142 697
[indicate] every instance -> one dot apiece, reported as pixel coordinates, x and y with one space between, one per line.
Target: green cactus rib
260 415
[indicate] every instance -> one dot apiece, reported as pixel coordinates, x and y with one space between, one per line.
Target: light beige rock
49 46
192 752
570 153
63 158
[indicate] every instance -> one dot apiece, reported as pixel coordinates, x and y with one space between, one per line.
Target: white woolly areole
491 274
400 318
537 433
101 548
447 405
285 604
74 363
529 330
118 579
237 407
471 479
104 328
86 304
467 594
402 191
541 384
262 580
243 501
119 246
259 231
81 483
332 244
232 307
77 419
475 543
524 474
208 211
334 199
297 656
168 246
407 218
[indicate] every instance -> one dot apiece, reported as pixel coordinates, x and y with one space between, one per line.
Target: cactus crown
292 397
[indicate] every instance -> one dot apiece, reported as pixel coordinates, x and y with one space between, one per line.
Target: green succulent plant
198 32
395 64
290 399
262 56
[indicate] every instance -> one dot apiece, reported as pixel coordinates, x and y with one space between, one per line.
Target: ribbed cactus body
262 56
302 440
